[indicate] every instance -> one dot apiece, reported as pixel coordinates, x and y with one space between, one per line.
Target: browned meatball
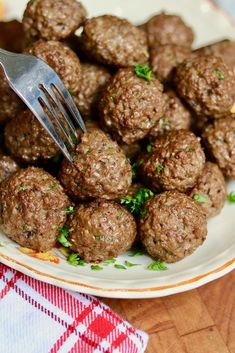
101 230
93 80
176 116
12 36
7 167
225 49
62 59
165 58
100 168
210 190
175 162
50 19
10 104
165 29
207 85
27 140
219 138
130 105
173 226
114 41
33 208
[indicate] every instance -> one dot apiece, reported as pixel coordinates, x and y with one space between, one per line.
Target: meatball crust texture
93 79
174 163
219 138
130 106
101 230
165 58
173 226
53 20
7 167
166 29
27 140
33 208
100 168
210 185
114 41
62 59
207 85
176 116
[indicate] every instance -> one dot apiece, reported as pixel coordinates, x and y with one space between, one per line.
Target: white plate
212 260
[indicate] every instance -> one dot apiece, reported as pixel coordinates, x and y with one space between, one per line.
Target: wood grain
198 321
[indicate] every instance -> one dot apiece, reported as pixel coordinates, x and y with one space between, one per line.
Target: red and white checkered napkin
36 317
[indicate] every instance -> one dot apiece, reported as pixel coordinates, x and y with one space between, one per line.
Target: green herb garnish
158 265
200 198
113 96
120 267
135 253
70 91
159 168
97 237
134 204
219 74
63 235
70 210
75 260
108 262
143 71
231 197
23 188
149 148
135 167
96 268
130 264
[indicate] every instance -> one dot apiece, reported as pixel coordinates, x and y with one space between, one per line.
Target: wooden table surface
198 321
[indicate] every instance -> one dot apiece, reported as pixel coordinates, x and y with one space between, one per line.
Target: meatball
219 138
165 58
100 168
130 106
210 190
114 41
166 29
33 208
132 150
176 117
53 20
12 36
93 80
10 104
207 85
7 167
173 226
174 162
101 230
225 49
27 140
62 59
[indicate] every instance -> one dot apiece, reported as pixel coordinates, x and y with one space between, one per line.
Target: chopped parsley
70 90
23 188
134 204
135 167
135 253
108 262
74 259
70 210
200 198
96 268
219 74
149 148
158 265
97 237
113 96
159 168
120 267
143 71
130 264
231 197
62 238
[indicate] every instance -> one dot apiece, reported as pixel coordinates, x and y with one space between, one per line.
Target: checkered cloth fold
36 317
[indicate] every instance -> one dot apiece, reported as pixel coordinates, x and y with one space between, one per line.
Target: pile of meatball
148 100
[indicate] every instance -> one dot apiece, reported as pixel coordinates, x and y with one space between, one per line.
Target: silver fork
37 84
